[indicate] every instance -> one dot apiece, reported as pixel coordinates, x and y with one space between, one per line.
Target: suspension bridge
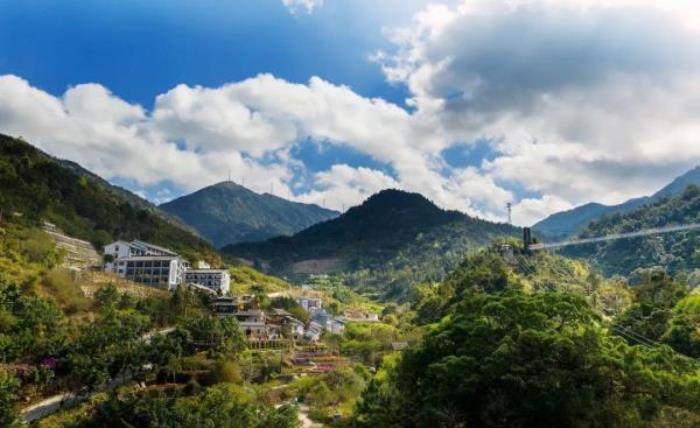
527 237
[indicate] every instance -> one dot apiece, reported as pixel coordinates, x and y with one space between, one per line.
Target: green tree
518 360
109 347
683 333
652 310
9 386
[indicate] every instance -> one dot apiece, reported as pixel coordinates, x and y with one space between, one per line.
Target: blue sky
473 103
141 48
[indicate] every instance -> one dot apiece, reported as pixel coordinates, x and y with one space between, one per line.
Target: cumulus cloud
343 186
91 126
576 99
570 92
307 6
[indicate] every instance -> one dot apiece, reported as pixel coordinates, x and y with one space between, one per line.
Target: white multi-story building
218 280
146 263
157 271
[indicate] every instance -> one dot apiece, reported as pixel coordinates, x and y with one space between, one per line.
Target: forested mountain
36 187
228 213
677 252
394 235
568 223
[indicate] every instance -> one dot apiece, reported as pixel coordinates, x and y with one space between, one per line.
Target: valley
394 313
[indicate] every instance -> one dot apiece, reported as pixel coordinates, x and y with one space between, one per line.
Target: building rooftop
207 271
136 242
143 258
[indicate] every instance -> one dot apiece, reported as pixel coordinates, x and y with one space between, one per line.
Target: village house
313 333
356 315
293 326
309 299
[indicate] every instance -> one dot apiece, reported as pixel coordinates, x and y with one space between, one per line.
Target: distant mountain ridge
676 252
228 213
571 222
394 237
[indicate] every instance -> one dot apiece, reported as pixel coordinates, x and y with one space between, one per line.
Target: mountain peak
227 213
228 185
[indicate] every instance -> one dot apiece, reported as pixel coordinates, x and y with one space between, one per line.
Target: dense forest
507 344
36 187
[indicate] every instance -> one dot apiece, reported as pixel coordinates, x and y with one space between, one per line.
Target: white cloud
530 210
343 186
578 100
307 6
581 99
115 139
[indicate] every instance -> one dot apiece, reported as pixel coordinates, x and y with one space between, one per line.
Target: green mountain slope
571 222
35 187
227 213
394 237
677 252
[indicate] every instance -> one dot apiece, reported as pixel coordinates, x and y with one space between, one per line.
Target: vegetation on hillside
390 241
246 280
37 188
507 344
516 359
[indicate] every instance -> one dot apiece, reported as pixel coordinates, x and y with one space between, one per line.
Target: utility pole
509 207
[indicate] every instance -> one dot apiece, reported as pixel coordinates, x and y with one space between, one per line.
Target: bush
66 292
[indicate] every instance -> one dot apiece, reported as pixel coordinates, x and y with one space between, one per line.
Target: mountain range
571 222
228 213
394 237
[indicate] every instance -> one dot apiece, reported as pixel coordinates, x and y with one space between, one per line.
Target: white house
218 280
336 325
313 333
309 302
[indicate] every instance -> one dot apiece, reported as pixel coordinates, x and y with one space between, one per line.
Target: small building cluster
278 323
156 266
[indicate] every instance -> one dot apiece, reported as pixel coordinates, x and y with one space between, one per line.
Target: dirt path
304 418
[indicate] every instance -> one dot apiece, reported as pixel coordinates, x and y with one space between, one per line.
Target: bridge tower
527 239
